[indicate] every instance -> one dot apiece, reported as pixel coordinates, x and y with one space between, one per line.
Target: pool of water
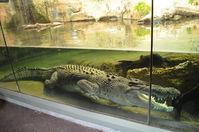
103 45
126 35
106 61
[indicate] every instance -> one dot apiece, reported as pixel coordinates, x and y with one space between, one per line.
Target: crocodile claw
92 96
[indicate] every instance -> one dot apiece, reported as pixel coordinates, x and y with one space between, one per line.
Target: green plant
141 32
142 7
189 30
191 1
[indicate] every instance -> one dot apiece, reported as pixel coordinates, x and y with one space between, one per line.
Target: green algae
9 85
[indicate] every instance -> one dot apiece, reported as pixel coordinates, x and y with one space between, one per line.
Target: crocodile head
128 92
137 94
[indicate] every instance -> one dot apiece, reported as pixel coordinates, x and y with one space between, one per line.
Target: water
102 45
51 57
126 35
106 61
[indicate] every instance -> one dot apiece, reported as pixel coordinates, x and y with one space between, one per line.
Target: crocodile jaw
154 104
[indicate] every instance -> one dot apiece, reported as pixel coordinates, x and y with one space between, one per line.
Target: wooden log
39 26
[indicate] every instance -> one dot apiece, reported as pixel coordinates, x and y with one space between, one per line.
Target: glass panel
102 34
176 65
5 66
42 62
5 69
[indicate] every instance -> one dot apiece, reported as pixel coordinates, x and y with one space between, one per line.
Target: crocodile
98 84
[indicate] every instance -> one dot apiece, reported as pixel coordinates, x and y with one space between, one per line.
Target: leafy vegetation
191 1
142 32
142 7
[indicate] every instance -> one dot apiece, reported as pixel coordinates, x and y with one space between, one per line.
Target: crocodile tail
28 74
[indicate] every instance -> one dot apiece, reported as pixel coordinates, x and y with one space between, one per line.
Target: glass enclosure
95 55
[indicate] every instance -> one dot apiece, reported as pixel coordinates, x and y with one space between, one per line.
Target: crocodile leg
88 88
49 84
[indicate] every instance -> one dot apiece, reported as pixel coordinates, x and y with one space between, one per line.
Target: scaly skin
97 84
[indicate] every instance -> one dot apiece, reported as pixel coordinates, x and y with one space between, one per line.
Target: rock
81 17
172 15
187 11
147 20
183 76
177 17
108 18
76 9
144 61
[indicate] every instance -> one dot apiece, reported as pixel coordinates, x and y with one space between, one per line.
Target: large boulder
174 14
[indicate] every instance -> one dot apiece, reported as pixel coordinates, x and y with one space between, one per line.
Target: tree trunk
24 10
26 13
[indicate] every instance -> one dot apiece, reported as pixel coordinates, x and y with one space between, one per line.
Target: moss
9 85
183 76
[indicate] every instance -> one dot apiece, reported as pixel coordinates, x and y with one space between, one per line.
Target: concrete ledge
83 117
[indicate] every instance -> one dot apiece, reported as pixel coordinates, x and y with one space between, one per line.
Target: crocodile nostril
132 84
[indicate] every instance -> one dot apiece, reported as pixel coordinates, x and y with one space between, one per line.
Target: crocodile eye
132 84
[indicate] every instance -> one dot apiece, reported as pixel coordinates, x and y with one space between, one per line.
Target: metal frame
151 65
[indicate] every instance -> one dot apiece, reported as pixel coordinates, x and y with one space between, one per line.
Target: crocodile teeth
144 96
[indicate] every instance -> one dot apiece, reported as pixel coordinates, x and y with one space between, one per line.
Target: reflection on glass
94 54
5 69
84 35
